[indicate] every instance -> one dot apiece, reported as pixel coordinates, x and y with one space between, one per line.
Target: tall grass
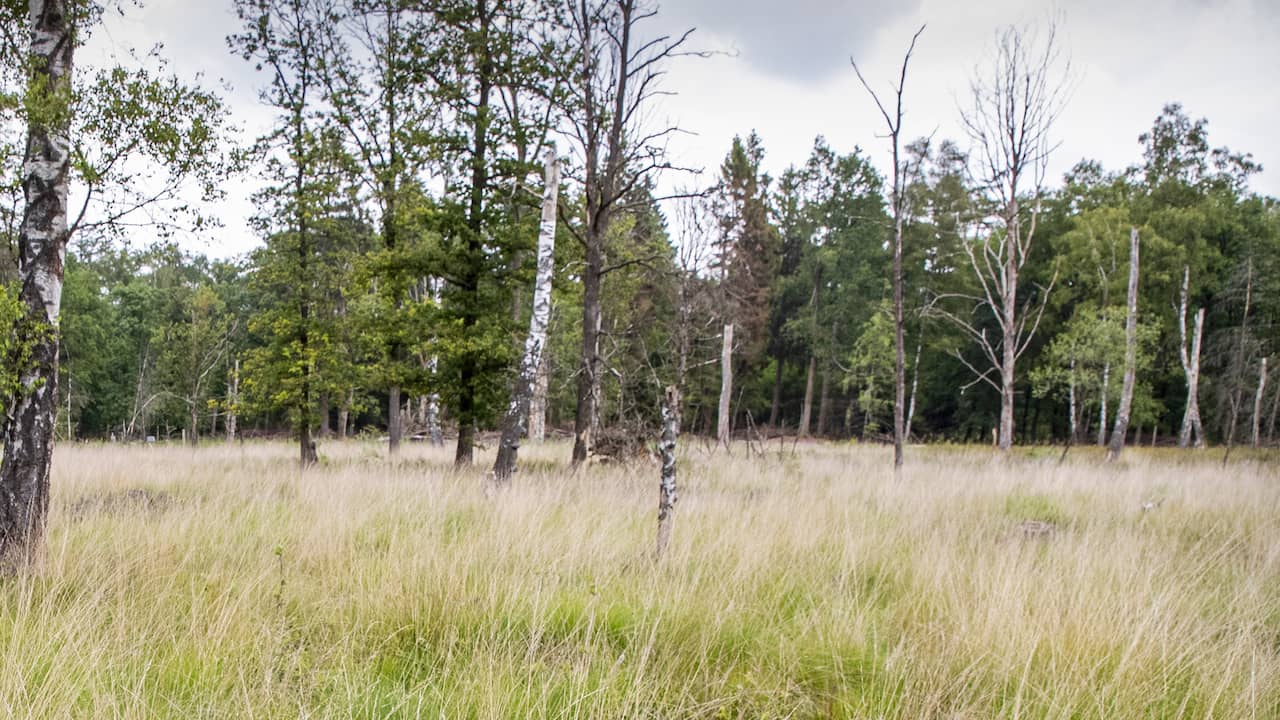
221 582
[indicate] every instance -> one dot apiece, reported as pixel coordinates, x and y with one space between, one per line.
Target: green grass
807 585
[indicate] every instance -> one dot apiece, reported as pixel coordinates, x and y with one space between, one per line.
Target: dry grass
221 583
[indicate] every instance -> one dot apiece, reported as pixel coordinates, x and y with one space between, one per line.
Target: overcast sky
785 73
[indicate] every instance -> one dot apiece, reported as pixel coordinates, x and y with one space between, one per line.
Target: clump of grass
808 585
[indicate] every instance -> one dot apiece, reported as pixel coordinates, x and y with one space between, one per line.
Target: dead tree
1014 107
898 202
1191 368
613 85
724 427
517 415
1130 355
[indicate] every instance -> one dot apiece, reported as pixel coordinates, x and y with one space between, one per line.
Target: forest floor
221 582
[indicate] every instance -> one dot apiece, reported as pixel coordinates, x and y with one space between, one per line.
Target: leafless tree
1014 104
898 202
615 82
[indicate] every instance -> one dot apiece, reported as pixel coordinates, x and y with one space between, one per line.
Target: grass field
222 583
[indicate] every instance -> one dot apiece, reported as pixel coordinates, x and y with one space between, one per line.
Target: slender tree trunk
667 484
42 241
233 402
513 423
806 410
899 339
1102 404
724 425
1071 404
1271 420
915 384
586 419
1009 329
1130 354
1257 403
824 401
1191 368
395 429
344 415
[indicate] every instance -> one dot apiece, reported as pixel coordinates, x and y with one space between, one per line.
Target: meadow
807 582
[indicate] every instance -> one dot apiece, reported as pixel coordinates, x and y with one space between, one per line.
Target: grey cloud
804 41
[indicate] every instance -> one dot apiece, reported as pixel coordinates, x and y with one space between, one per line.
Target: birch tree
112 135
1130 354
1014 104
1191 425
517 415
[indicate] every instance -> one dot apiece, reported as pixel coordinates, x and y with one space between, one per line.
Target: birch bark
1130 355
517 415
1191 367
42 245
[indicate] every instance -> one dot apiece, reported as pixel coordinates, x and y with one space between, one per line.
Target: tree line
464 228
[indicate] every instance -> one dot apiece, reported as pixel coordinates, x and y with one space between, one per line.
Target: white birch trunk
233 402
1130 354
1102 410
915 384
667 483
1257 403
517 415
1071 403
42 244
723 429
1191 368
538 403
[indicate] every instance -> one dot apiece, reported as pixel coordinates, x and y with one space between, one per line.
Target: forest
393 288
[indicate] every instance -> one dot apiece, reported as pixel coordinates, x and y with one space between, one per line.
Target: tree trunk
586 418
394 427
667 484
1130 355
1102 404
899 339
824 402
1009 330
517 415
806 410
1071 405
1257 403
538 402
233 402
42 244
915 384
724 425
1191 368
344 415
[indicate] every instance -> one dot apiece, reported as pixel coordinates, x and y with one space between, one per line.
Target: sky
782 69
